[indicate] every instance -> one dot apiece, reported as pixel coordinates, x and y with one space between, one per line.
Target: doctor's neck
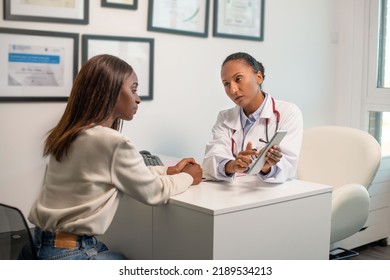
254 104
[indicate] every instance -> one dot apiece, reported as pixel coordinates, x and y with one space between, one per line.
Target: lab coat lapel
267 112
233 122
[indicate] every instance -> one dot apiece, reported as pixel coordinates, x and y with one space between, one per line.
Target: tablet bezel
260 160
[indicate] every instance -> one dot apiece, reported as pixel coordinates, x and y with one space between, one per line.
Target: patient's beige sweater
81 193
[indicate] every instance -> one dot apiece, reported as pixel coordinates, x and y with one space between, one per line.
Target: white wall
299 52
349 23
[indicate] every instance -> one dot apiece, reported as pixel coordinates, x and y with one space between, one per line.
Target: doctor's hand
242 161
272 157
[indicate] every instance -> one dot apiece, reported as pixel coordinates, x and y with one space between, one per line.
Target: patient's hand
180 166
195 171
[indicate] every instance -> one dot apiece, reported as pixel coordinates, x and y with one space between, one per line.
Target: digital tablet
260 160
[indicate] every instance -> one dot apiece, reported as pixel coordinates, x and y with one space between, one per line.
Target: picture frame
138 52
120 4
239 19
47 11
37 65
190 17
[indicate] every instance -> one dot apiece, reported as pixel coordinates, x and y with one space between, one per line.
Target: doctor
241 132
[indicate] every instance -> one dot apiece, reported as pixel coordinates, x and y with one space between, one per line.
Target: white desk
246 219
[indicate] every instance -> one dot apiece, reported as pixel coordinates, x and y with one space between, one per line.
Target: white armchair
347 159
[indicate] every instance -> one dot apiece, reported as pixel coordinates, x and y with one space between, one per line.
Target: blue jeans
87 248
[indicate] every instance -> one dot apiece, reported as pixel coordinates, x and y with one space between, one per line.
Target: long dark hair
91 101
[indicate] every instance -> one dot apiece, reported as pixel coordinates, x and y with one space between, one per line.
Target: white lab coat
228 130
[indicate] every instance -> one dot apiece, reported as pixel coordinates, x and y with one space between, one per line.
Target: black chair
15 236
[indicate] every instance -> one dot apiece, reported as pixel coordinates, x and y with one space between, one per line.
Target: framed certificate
59 11
120 4
239 19
182 17
37 65
138 52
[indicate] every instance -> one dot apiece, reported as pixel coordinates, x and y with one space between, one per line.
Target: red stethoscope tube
277 114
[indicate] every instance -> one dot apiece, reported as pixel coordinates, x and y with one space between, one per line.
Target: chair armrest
350 209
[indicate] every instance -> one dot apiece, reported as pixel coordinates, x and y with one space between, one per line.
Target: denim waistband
42 237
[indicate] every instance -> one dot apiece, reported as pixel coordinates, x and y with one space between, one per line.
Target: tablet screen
260 160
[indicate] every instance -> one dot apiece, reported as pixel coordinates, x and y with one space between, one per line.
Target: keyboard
151 160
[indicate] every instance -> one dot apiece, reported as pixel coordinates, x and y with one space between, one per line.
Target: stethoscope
277 114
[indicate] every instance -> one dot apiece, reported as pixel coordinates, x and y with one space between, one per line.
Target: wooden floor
373 251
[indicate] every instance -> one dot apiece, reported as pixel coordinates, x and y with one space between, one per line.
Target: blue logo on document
33 58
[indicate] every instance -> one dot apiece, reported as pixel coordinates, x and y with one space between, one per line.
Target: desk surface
245 192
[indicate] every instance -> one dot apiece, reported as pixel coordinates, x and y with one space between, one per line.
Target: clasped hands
244 159
187 165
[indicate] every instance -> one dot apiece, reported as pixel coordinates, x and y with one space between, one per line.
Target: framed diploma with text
239 19
138 52
37 65
181 17
58 11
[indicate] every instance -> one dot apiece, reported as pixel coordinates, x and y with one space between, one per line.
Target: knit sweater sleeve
131 176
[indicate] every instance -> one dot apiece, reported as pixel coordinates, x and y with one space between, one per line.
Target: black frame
107 4
238 36
8 16
203 34
75 64
84 54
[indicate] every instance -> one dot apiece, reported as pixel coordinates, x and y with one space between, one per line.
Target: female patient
92 164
